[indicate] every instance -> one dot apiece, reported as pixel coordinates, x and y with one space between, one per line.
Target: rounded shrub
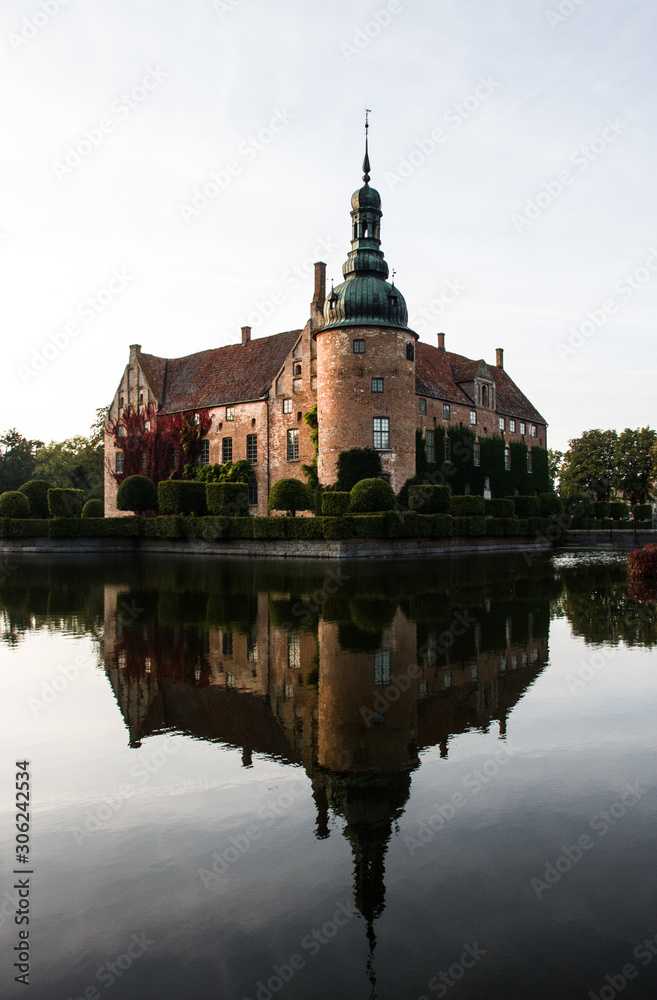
93 508
65 503
36 491
137 493
370 496
355 465
291 495
14 504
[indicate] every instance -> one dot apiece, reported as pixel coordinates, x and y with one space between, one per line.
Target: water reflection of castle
352 693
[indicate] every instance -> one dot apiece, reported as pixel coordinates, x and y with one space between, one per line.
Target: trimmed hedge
93 508
466 527
65 503
14 504
227 499
642 512
500 508
371 496
337 528
22 527
527 506
304 527
335 504
550 503
467 506
601 509
435 525
181 496
495 527
426 499
269 527
618 510
578 505
136 493
36 491
172 526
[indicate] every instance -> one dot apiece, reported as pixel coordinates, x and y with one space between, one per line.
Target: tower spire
366 161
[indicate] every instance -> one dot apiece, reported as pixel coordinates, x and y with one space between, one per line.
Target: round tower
366 355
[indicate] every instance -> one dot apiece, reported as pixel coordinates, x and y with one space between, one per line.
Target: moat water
365 780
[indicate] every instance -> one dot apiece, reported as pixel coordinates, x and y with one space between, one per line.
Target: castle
373 381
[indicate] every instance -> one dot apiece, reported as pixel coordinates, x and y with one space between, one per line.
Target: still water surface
383 780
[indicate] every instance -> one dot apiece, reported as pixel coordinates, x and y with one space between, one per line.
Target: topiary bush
137 493
499 508
601 509
291 495
642 512
618 510
93 508
65 503
426 499
472 526
467 506
357 464
36 491
304 527
550 503
371 496
335 504
227 499
181 496
527 506
269 527
14 504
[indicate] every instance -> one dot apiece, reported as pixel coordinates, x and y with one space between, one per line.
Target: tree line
607 464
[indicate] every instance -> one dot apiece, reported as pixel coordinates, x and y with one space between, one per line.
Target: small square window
252 448
293 445
410 351
205 452
287 406
522 427
502 424
230 413
422 405
227 449
359 346
446 411
512 426
473 417
377 385
534 431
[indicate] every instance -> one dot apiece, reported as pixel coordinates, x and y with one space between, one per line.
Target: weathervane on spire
366 161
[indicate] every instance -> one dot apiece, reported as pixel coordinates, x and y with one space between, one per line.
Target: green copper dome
365 298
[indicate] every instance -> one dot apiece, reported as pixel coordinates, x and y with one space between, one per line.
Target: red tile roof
233 374
438 373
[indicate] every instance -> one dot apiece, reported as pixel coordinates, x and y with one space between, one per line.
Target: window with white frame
230 413
287 406
512 426
121 431
502 424
381 433
293 652
522 427
446 411
422 405
359 346
118 461
534 431
293 445
144 460
473 417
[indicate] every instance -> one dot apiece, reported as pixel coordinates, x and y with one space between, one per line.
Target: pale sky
531 209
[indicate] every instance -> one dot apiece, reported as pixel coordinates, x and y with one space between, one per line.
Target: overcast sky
512 141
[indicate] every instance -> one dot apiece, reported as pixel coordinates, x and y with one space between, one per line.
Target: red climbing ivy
161 439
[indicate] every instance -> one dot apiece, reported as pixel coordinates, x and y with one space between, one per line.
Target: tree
636 464
291 495
589 465
555 458
137 493
17 459
372 496
75 463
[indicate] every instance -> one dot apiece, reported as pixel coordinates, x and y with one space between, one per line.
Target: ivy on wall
157 446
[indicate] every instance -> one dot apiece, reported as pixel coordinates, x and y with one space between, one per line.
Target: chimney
320 285
135 349
499 357
441 341
246 334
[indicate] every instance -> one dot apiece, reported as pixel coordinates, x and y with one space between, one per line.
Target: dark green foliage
241 527
601 508
618 510
521 526
36 491
93 508
502 507
473 526
270 527
421 463
335 504
492 465
429 499
439 525
541 479
461 471
291 495
369 526
14 504
181 496
578 505
227 499
169 527
17 459
194 527
642 525
510 526
521 480
642 512
136 493
550 503
304 527
310 470
22 527
65 503
357 464
370 496
404 493
338 528
527 506
467 506
230 472
495 527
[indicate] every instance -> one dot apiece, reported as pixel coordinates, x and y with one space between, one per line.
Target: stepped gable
438 374
236 373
